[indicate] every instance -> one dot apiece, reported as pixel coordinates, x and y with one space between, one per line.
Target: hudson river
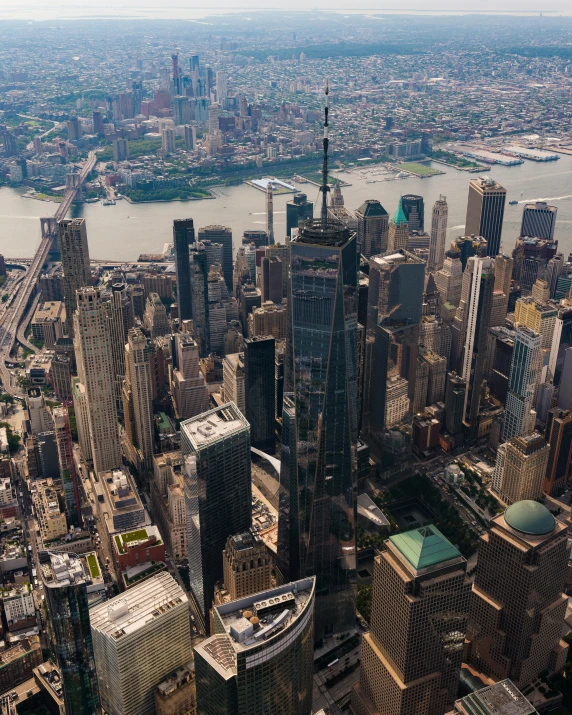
123 231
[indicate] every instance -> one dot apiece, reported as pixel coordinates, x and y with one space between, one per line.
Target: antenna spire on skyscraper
325 188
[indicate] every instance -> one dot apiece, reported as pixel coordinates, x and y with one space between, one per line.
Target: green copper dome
530 517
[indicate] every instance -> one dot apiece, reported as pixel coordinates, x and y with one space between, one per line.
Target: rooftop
64 570
424 547
254 620
212 426
502 698
137 607
399 216
530 517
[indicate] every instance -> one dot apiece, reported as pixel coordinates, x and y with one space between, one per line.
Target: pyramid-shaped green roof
424 547
399 216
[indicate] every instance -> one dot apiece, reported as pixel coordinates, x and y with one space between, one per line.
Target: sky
53 9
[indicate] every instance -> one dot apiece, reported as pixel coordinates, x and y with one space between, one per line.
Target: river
123 231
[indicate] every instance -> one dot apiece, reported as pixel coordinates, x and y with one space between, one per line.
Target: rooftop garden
93 567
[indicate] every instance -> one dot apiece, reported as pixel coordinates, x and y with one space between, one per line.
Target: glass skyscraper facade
316 531
65 587
183 238
260 395
218 492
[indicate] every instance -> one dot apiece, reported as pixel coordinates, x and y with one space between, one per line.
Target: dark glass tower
259 390
297 210
218 493
318 479
65 586
183 237
485 212
414 211
199 283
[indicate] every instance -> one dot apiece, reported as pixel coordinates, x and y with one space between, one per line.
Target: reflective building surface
316 533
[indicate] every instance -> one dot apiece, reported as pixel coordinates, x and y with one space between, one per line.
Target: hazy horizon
179 9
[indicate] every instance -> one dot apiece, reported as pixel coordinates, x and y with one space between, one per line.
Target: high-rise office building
538 317
72 236
561 341
455 389
411 658
181 110
438 234
474 314
190 392
558 434
92 344
247 565
270 212
372 228
259 391
221 86
398 231
139 637
260 659
485 212
233 380
190 137
155 318
503 276
518 607
413 208
316 531
522 382
120 321
200 296
65 587
298 209
183 237
222 235
271 284
449 279
138 379
218 492
395 301
524 468
436 375
539 220
67 465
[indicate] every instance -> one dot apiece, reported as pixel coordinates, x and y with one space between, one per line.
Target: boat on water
108 202
513 202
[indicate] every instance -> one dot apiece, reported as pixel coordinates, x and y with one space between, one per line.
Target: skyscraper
222 235
120 321
65 587
398 232
372 230
538 220
190 392
260 659
485 212
221 86
316 530
413 208
455 389
259 391
449 279
438 234
395 300
218 492
138 377
72 237
67 465
411 658
524 468
200 296
522 383
558 434
271 283
472 319
298 209
518 607
270 213
139 637
92 344
183 237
